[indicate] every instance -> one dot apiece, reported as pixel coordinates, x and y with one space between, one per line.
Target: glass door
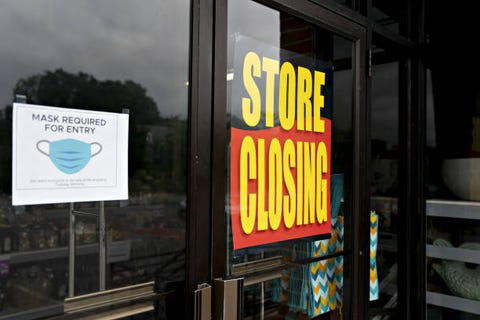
295 221
98 56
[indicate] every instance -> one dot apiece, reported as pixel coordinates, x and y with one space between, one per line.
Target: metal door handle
203 302
228 299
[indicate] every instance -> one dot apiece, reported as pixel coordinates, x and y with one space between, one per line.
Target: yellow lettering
275 184
289 201
270 66
248 171
309 183
298 167
262 214
322 167
286 100
251 107
318 102
304 104
299 183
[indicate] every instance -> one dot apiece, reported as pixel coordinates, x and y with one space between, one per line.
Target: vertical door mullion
219 153
199 184
361 219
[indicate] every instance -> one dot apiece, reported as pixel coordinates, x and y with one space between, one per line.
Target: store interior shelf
468 210
452 302
116 251
456 254
453 209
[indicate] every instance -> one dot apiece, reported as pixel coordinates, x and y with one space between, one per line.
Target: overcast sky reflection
147 43
110 39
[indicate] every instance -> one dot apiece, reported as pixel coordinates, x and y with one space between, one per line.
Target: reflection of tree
61 88
156 161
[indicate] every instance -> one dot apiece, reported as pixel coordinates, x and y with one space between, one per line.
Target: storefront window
453 199
452 168
102 56
384 184
299 283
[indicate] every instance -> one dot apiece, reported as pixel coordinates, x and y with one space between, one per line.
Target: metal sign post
102 246
102 243
71 253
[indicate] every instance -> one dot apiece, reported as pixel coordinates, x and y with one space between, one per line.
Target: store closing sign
68 155
280 145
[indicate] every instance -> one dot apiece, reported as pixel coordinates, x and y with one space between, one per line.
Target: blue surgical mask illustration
69 155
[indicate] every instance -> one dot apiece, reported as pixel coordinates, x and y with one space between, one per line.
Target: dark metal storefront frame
207 157
200 149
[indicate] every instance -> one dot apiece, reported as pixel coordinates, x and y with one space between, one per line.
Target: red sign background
240 238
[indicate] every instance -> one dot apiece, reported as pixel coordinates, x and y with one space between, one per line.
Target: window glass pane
384 183
288 39
390 14
453 195
452 168
103 56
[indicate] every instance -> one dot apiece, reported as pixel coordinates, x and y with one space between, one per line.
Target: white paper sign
68 155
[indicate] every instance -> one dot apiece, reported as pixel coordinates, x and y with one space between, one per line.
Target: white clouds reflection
254 20
145 42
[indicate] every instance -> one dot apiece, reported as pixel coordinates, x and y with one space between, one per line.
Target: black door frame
198 251
206 222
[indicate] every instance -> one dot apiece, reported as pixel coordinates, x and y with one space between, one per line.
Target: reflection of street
157 234
145 243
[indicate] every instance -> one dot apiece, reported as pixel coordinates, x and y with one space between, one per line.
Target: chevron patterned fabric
319 280
373 255
316 288
339 261
326 276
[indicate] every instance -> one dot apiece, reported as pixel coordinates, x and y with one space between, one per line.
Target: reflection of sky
112 39
254 20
